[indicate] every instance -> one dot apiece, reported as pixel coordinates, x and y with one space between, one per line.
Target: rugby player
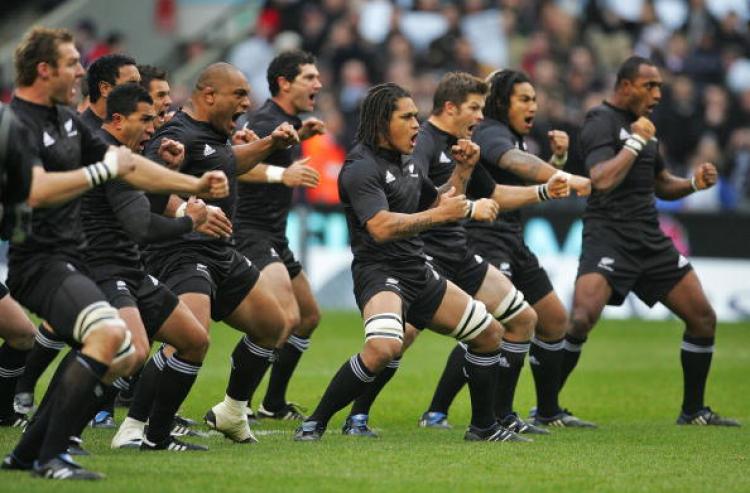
263 204
388 201
208 274
624 250
154 80
103 75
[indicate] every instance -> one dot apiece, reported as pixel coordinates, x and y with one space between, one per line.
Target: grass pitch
628 381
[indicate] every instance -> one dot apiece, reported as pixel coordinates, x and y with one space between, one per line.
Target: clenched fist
644 128
705 176
244 136
559 143
558 186
172 153
465 153
452 207
485 210
213 185
310 128
284 136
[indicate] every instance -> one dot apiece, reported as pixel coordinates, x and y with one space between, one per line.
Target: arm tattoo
526 166
407 226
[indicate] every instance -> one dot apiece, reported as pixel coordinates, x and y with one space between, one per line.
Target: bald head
216 75
220 96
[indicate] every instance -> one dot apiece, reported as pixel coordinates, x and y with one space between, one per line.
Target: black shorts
224 275
512 257
56 290
420 288
468 274
263 250
3 290
155 302
642 261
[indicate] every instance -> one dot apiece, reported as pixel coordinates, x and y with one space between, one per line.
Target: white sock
235 407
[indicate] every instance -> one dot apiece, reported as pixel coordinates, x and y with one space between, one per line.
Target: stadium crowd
569 48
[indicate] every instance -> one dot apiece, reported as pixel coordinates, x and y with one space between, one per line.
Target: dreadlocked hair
376 110
501 89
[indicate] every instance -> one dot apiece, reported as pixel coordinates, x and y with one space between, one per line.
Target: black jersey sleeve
424 152
93 148
21 157
598 141
481 185
132 210
364 188
493 142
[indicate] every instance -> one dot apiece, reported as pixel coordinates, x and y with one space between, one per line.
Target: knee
552 327
195 346
581 323
379 352
308 323
21 342
703 324
489 340
523 324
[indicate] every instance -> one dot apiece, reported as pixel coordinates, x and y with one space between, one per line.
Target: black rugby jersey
375 180
265 206
91 120
604 133
494 139
433 153
63 143
206 149
108 214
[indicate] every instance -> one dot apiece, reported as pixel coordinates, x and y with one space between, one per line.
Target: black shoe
173 444
356 425
517 425
705 417
10 463
124 398
15 420
289 412
309 431
183 421
75 447
64 467
563 419
495 433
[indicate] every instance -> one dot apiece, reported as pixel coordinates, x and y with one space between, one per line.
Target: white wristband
542 193
180 212
110 161
559 161
693 184
274 173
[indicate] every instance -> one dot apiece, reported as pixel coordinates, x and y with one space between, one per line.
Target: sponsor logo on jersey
202 268
444 158
389 178
273 252
503 362
208 150
153 280
478 259
624 134
249 264
47 139
606 263
505 269
391 280
121 286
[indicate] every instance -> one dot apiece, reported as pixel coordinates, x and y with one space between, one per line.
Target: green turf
628 381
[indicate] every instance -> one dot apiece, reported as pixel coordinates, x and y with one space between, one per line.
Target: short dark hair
376 110
287 65
455 87
630 67
501 89
124 100
39 45
105 69
149 73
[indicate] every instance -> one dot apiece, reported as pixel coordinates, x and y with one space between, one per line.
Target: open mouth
471 128
413 140
236 116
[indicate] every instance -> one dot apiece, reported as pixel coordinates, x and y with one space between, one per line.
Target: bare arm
56 187
671 187
388 226
257 174
251 154
510 197
154 178
526 166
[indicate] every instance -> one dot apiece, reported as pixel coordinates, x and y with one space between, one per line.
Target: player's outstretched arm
671 187
297 174
250 154
154 178
509 197
51 188
388 226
